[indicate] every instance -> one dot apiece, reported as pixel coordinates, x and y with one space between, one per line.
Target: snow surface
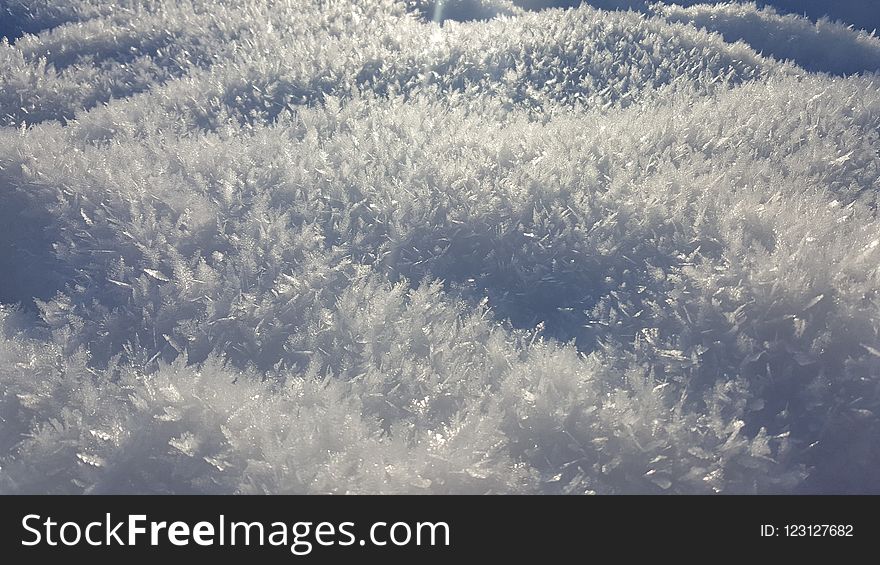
303 246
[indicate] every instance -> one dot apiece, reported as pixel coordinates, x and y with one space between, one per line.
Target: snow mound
825 46
309 247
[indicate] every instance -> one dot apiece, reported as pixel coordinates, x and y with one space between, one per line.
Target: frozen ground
303 246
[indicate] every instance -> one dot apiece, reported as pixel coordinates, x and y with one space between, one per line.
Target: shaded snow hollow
300 246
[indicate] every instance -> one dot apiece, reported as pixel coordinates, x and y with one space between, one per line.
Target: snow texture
319 246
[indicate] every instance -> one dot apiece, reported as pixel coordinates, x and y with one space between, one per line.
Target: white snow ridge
405 246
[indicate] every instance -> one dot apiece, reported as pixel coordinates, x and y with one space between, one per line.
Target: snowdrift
305 246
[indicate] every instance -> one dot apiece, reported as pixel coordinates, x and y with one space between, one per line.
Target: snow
299 246
825 46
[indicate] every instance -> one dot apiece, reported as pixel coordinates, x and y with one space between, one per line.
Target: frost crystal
405 246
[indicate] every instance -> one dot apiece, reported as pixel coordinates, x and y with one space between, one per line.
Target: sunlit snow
407 246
